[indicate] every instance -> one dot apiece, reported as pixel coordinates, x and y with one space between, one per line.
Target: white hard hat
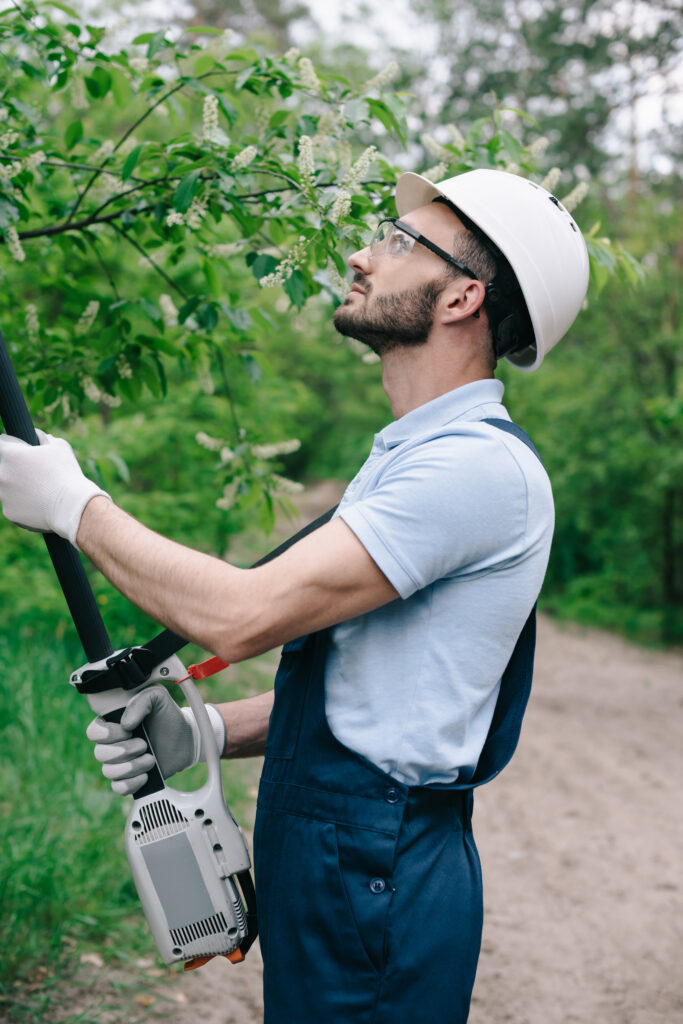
537 236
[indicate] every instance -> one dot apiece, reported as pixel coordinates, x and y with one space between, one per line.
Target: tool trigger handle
155 782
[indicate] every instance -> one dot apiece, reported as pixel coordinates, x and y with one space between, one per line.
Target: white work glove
173 733
42 487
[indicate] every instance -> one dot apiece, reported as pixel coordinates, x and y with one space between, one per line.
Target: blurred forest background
202 396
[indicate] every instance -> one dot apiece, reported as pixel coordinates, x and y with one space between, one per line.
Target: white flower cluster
306 162
229 495
539 146
125 370
551 179
270 451
358 170
340 206
434 149
212 444
34 161
576 196
244 158
174 217
457 138
223 250
436 172
292 54
8 139
92 392
168 310
344 155
14 245
210 118
79 100
32 322
87 318
104 152
197 212
512 168
286 486
9 171
328 124
308 76
382 78
138 64
4 113
350 183
339 283
220 46
285 268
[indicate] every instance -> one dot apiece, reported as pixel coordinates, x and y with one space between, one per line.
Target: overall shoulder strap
512 428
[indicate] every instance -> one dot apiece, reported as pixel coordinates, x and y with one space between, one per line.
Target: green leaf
212 278
131 161
381 111
63 7
295 288
156 42
73 134
244 76
151 309
121 466
208 316
512 146
205 30
261 264
205 62
32 72
185 192
146 37
120 87
188 309
99 83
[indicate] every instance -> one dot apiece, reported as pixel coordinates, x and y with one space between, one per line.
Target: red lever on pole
204 669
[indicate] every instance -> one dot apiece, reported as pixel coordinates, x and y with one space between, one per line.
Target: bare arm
325 578
246 725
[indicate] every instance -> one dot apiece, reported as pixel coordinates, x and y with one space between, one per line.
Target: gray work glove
173 733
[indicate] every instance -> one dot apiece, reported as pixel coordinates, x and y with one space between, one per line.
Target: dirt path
580 841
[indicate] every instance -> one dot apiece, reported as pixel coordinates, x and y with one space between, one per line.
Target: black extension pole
65 558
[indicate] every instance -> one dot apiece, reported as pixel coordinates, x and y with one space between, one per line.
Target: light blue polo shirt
458 515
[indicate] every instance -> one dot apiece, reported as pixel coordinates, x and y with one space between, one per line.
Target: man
407 619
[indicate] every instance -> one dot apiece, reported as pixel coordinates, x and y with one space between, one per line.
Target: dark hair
509 321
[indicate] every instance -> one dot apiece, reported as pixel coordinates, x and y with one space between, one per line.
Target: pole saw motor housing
188 856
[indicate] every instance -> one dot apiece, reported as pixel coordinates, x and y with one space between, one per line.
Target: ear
461 299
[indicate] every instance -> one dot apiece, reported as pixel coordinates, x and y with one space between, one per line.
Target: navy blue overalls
368 891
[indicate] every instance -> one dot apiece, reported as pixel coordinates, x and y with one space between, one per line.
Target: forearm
246 725
194 594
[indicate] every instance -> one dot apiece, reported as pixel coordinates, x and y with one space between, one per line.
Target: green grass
65 885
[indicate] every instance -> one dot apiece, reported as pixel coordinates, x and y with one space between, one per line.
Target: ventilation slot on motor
159 817
198 930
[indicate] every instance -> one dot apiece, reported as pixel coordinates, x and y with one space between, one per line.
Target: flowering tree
153 197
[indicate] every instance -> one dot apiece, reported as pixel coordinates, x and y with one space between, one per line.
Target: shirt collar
459 404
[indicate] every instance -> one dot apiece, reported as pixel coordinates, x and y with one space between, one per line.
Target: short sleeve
450 506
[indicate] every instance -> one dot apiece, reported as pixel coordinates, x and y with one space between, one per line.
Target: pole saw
188 856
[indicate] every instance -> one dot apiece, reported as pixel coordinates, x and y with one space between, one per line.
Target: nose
361 261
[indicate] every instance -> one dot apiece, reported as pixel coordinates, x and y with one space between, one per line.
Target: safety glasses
394 238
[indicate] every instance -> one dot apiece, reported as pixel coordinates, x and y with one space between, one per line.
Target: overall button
392 796
377 885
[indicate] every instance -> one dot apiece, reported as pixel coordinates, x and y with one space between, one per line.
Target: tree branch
162 273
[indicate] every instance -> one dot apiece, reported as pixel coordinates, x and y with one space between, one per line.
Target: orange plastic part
236 957
203 670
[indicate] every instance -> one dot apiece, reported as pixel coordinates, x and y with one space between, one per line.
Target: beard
399 320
